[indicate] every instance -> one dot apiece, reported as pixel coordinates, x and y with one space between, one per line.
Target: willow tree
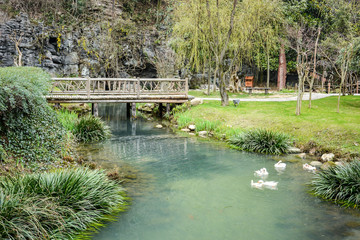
221 30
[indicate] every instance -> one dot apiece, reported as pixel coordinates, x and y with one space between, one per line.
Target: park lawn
331 131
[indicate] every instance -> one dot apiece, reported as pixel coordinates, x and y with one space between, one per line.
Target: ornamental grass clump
340 184
262 141
56 205
91 129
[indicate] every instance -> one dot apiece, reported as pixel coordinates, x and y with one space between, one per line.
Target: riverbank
316 131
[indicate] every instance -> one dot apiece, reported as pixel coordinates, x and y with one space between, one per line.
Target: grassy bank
201 94
320 127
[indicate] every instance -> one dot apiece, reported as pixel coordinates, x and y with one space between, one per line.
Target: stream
191 189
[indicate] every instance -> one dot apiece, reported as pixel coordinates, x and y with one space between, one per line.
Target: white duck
280 165
270 185
259 184
308 167
261 173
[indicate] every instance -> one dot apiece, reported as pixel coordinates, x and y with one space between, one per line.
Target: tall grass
206 125
183 121
67 119
56 205
340 184
262 141
91 129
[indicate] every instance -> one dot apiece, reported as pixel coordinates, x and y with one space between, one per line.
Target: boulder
327 165
301 155
339 163
312 151
294 150
192 134
203 133
185 130
316 163
327 157
159 126
192 127
196 101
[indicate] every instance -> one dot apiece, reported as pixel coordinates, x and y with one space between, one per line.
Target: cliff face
99 49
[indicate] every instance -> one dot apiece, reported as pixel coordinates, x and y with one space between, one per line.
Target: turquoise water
200 190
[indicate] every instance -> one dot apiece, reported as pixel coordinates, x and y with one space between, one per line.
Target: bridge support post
95 109
161 109
128 110
168 109
133 110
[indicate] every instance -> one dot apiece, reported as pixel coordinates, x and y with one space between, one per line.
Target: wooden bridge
118 90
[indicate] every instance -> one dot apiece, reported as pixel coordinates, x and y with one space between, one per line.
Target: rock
192 134
312 151
146 109
71 70
185 130
149 105
301 155
327 165
192 127
316 163
203 133
327 157
294 150
159 126
72 58
85 71
196 101
339 163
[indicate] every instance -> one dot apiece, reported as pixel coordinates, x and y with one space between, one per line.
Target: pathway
315 96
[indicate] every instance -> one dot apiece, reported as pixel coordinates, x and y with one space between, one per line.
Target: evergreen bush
29 129
262 141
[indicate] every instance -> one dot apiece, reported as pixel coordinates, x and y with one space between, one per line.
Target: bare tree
17 41
301 39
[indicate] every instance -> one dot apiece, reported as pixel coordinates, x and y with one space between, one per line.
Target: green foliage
29 129
206 125
340 184
183 120
56 205
67 119
262 141
91 129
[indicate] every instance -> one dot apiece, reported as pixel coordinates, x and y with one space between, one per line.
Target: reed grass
340 184
56 205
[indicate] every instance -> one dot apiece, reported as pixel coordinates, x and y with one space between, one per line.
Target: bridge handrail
119 86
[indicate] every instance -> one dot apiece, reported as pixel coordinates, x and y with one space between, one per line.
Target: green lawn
321 124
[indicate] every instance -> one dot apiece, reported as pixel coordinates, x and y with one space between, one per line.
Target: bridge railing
119 86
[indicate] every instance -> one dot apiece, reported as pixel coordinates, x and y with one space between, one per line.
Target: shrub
56 205
262 141
29 129
91 129
340 184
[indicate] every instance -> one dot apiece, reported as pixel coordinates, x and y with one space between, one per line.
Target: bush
91 129
56 205
29 129
262 141
340 184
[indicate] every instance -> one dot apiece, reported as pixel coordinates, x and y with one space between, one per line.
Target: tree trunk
209 80
268 70
223 93
282 69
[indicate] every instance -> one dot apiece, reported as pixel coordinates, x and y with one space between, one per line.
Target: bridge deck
87 90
